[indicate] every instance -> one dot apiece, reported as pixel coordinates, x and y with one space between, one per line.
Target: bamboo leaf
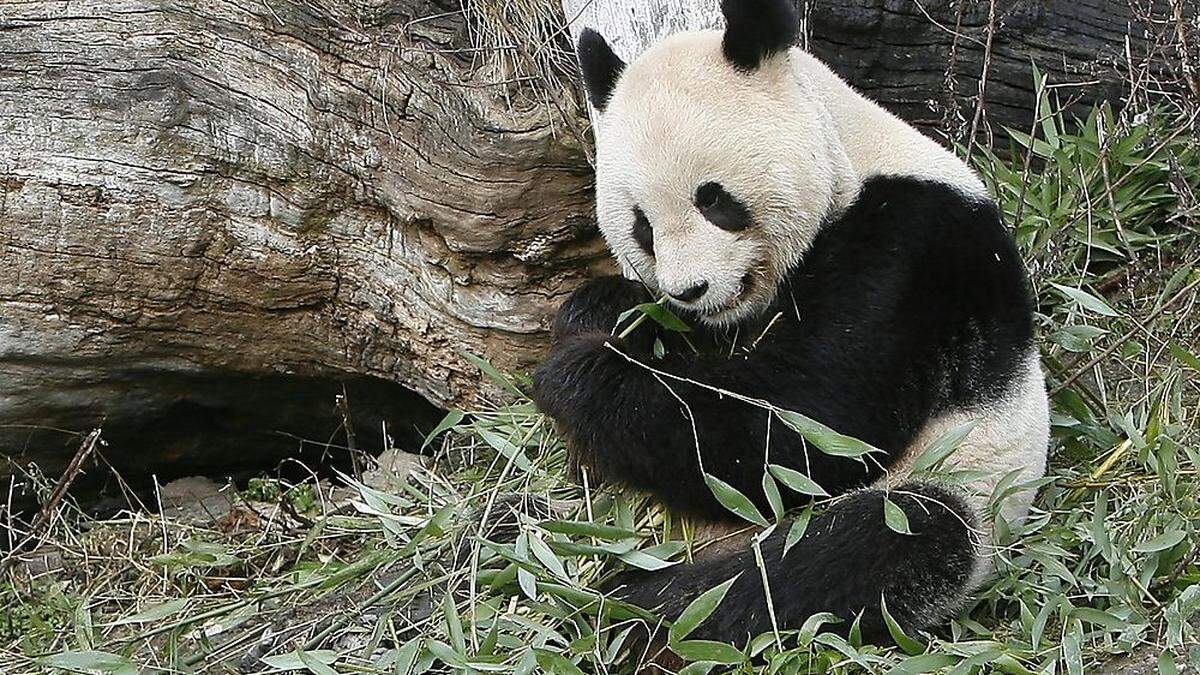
101 663
491 372
797 481
451 419
734 501
894 517
155 613
1185 357
699 610
797 530
709 651
903 641
827 440
1162 542
663 316
645 561
1086 300
936 452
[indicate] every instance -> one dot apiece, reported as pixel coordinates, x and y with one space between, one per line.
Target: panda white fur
835 262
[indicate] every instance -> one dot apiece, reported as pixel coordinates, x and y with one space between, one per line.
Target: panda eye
721 208
643 234
710 196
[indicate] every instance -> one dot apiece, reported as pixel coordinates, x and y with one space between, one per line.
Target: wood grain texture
206 187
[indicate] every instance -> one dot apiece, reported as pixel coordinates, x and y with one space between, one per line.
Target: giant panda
833 261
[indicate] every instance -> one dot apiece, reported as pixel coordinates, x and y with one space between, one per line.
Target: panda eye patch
642 233
721 208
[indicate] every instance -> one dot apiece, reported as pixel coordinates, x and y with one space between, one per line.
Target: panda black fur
880 295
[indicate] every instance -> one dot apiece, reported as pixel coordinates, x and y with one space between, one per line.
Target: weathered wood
205 188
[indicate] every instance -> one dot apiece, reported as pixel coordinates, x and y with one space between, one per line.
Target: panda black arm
631 425
595 306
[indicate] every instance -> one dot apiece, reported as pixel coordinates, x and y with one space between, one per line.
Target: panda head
715 161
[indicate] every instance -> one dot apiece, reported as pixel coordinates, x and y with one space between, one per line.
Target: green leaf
774 499
699 610
1166 664
545 556
506 448
925 663
454 627
813 624
1072 652
451 419
493 374
1100 618
488 646
101 663
194 553
556 663
827 440
941 448
406 656
1162 542
797 481
645 561
903 641
155 612
894 516
798 528
708 650
663 316
734 501
1086 300
444 652
659 349
314 665
854 636
1077 337
1185 357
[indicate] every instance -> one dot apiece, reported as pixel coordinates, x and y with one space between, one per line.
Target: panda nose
691 294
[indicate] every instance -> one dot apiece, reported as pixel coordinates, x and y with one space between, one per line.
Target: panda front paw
579 371
595 306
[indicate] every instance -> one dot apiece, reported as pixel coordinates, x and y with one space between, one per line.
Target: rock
195 499
392 469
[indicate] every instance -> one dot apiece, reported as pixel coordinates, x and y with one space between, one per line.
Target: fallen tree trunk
208 209
204 191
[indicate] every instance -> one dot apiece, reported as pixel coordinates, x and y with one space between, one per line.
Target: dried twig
983 79
343 406
73 470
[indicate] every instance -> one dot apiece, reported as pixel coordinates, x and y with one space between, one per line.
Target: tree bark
203 189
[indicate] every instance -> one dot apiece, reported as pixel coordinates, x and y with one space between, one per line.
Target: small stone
194 499
392 469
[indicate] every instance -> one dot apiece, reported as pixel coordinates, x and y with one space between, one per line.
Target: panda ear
601 67
757 29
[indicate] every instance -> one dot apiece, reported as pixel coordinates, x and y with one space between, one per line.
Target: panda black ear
601 67
757 29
